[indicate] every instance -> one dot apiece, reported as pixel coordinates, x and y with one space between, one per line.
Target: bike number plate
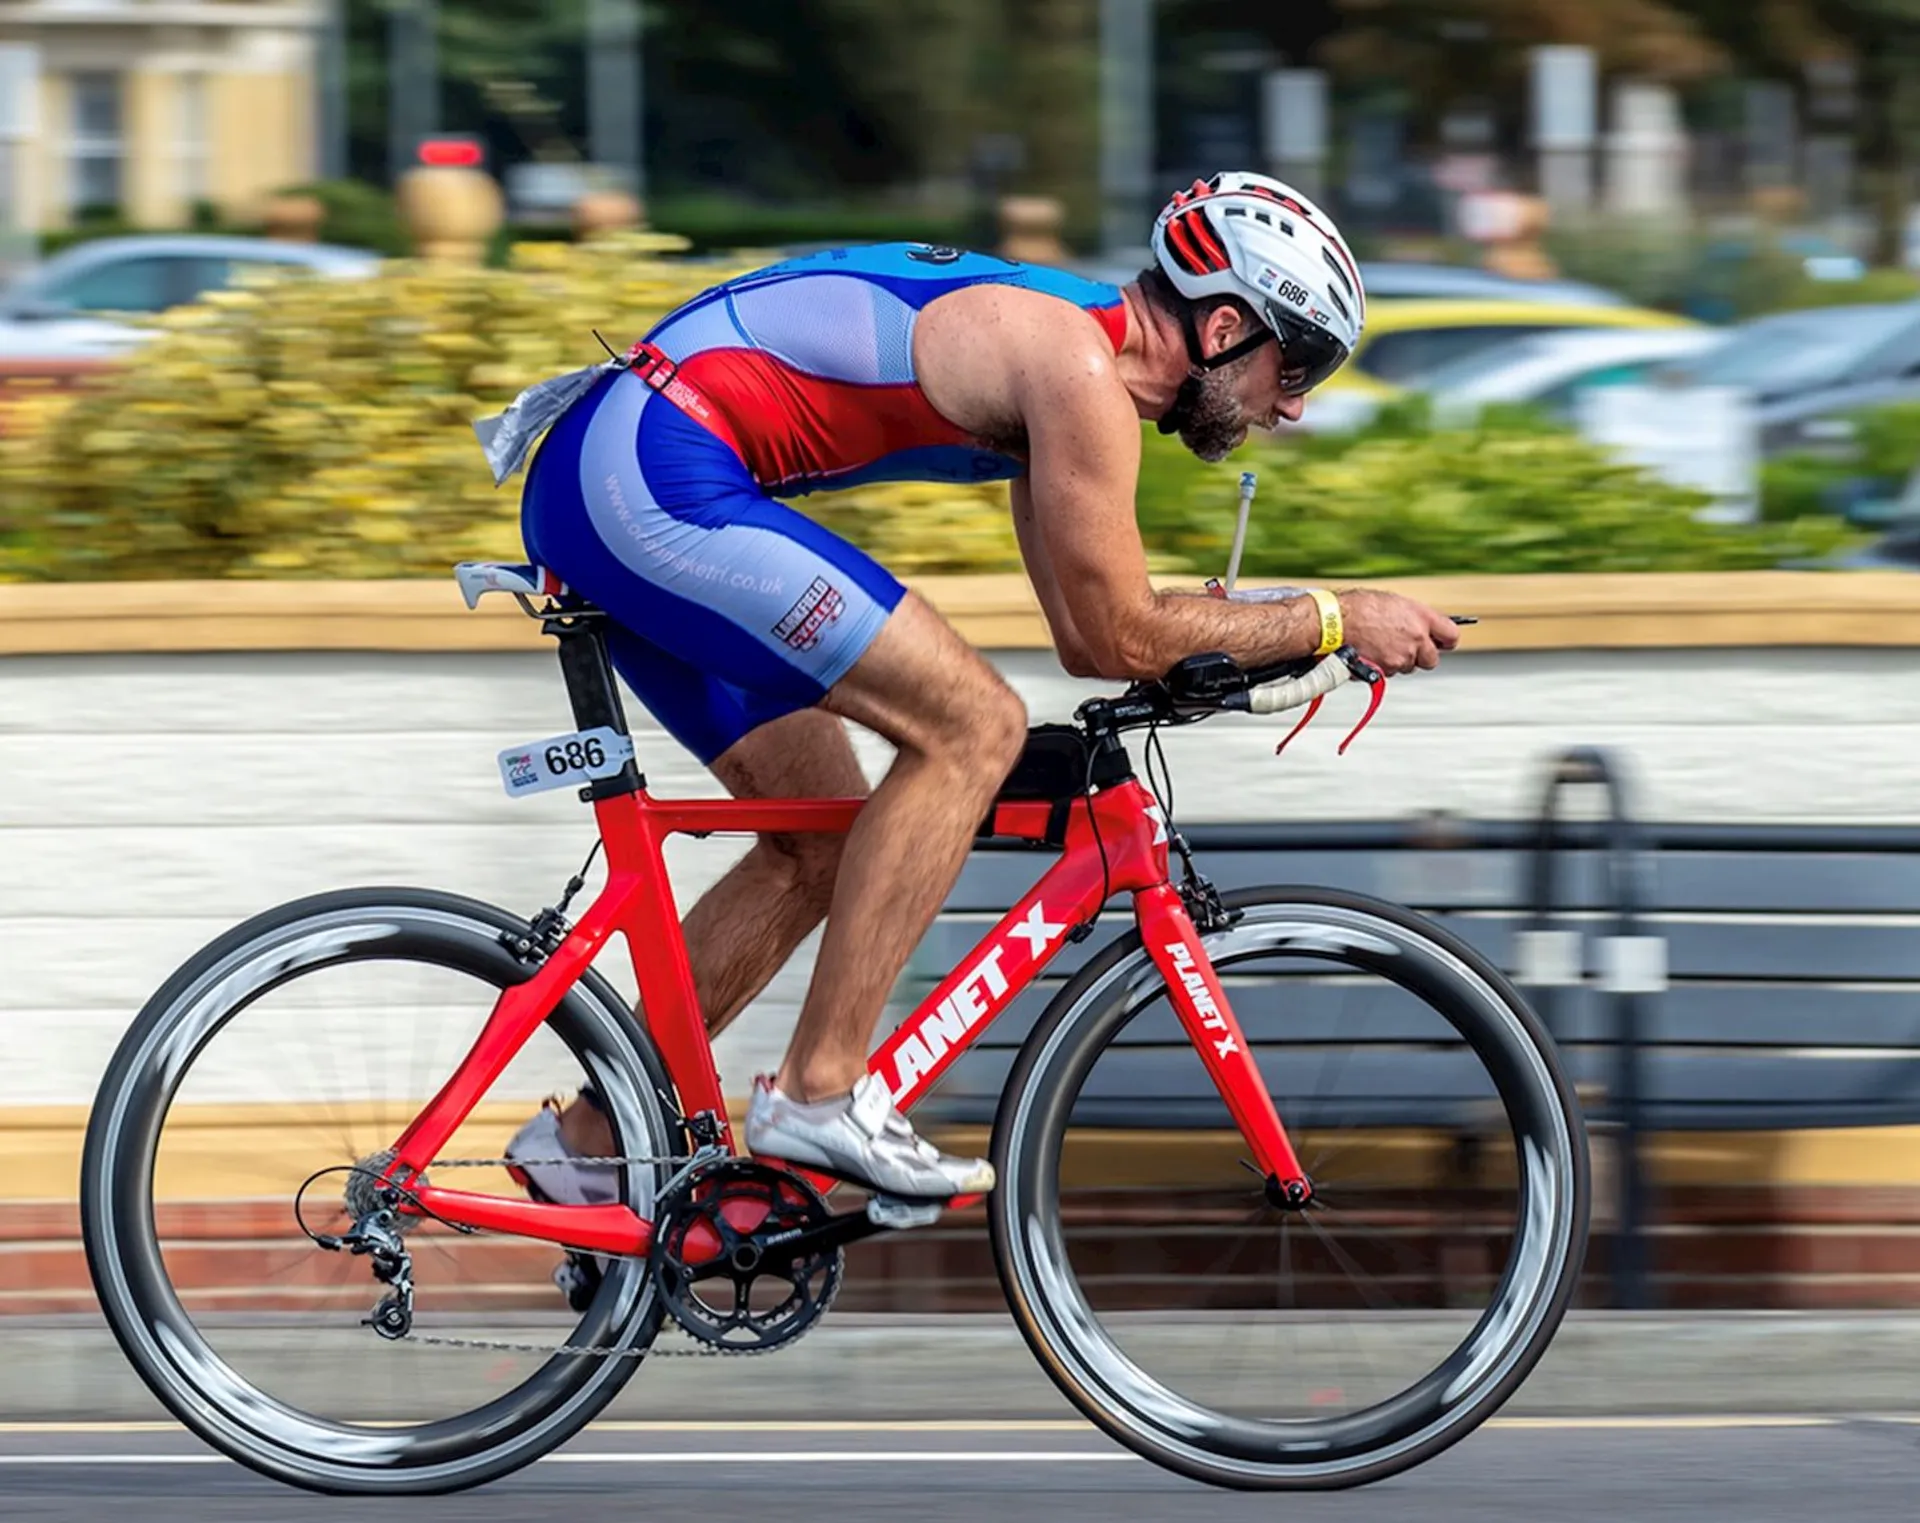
562 761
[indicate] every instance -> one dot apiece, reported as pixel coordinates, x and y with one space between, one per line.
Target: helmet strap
1199 367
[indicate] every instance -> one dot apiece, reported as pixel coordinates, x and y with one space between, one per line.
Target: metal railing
1602 940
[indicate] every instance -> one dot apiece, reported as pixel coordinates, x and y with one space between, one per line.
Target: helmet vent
1338 273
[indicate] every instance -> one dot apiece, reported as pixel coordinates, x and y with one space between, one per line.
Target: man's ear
1223 329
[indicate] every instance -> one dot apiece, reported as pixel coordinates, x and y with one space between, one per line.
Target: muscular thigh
798 756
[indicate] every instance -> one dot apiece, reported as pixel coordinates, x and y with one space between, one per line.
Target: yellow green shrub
323 428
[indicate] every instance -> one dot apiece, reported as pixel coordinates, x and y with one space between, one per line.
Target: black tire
1055 1314
172 1355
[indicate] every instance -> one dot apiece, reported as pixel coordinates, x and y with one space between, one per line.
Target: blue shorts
732 609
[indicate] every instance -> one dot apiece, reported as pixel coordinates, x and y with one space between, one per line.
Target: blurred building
141 109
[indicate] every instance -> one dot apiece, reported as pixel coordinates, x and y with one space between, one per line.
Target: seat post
593 692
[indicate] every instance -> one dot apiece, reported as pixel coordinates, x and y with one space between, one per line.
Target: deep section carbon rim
366 1001
1250 1345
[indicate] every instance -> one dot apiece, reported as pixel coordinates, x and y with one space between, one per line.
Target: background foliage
322 429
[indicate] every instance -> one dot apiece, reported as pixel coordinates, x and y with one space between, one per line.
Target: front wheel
1255 1346
291 1052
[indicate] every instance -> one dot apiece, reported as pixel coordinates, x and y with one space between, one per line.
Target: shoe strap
870 1105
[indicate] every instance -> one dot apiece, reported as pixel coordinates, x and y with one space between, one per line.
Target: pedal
578 1278
896 1215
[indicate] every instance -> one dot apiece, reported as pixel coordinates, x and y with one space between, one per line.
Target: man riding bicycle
750 632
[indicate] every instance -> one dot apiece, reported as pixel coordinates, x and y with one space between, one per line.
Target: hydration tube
1240 528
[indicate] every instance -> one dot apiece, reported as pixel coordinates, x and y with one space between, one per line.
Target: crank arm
881 1214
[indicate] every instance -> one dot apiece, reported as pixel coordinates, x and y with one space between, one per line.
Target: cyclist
750 632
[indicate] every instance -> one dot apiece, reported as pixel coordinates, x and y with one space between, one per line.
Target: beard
1217 425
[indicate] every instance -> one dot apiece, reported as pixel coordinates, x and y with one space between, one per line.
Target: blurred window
1559 399
208 275
1408 357
217 274
150 283
1476 364
96 147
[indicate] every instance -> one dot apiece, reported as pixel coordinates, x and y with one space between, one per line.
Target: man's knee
992 728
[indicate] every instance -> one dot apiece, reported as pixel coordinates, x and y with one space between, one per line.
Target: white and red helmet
1248 236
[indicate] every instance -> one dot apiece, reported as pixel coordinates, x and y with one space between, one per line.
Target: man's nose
1292 407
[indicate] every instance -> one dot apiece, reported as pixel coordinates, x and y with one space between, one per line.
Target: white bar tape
1291 694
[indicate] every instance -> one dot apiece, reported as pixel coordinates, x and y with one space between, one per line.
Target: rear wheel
1254 1346
306 1040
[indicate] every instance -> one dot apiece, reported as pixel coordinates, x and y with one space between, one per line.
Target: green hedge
1715 277
1513 494
321 429
1861 477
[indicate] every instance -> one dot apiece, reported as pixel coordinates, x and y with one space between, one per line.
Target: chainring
717 1273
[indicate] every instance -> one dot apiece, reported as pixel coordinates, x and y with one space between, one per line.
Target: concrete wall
151 801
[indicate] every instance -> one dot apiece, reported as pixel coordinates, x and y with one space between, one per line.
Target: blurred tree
919 63
1479 48
1052 49
1882 39
510 70
786 100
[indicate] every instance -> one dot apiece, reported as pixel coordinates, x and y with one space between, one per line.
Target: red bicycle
1231 1223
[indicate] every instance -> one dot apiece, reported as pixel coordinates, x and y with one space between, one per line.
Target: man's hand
1396 634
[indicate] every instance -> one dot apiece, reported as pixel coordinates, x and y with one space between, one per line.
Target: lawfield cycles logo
820 605
974 998
522 770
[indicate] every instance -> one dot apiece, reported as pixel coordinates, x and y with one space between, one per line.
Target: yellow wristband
1333 628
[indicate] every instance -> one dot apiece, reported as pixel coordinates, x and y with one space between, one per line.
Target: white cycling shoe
860 1138
548 1170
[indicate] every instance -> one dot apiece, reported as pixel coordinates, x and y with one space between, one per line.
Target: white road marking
722 1457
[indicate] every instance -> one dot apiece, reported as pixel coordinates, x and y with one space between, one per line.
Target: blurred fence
1739 1006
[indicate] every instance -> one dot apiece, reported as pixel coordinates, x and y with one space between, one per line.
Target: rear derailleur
378 1237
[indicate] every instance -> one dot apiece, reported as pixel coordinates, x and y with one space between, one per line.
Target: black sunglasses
1308 355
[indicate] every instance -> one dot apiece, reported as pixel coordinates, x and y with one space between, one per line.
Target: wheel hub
366 1192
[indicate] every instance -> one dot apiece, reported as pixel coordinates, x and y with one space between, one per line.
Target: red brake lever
1376 679
1305 720
1365 671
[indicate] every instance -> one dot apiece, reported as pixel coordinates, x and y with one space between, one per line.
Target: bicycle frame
637 902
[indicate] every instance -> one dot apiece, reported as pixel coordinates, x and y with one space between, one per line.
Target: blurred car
66 308
1406 280
1550 369
1405 342
1806 370
1403 280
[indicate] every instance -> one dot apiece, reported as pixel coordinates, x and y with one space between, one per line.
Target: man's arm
1067 643
1085 450
994 357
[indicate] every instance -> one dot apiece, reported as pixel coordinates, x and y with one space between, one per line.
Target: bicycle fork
1193 987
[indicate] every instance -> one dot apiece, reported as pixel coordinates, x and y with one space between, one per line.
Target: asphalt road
1583 1470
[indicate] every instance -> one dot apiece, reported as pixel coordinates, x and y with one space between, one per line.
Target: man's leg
741 932
744 928
959 729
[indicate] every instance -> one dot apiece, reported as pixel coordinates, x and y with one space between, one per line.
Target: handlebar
1291 692
1214 683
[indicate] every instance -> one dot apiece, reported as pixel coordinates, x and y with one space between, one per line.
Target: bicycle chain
696 1349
